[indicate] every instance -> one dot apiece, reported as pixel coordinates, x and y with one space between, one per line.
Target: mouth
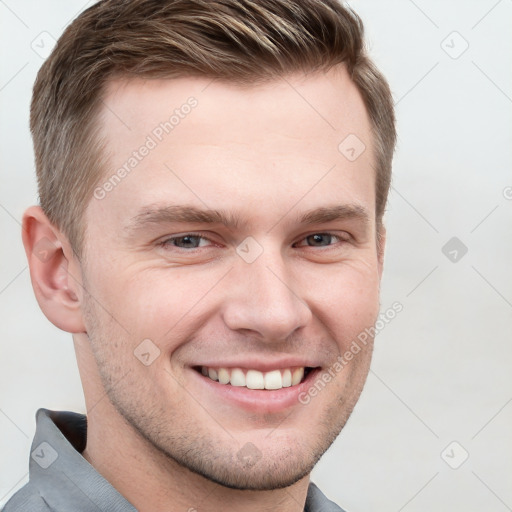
255 379
262 387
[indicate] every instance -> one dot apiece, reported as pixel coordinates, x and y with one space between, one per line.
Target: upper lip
263 365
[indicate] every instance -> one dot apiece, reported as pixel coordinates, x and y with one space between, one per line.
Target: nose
263 299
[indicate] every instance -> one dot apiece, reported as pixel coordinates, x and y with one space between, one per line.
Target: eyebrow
193 215
338 212
181 213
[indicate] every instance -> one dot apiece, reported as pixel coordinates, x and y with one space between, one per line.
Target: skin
266 156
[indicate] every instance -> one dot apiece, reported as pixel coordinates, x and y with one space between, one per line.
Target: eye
188 241
320 240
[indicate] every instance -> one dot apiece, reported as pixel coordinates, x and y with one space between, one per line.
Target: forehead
323 105
217 142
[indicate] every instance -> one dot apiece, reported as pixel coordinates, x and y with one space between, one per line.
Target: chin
259 473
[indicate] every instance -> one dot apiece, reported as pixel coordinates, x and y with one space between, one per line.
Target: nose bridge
264 298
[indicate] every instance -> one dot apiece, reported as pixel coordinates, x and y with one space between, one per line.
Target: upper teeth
254 379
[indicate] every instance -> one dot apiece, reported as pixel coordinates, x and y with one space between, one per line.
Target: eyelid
165 241
339 236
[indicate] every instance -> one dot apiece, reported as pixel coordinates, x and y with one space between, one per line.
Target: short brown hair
241 41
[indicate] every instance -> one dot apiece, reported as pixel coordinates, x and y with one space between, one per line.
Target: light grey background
442 367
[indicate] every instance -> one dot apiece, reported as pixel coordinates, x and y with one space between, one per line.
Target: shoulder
27 499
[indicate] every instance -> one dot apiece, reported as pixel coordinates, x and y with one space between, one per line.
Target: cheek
162 304
346 300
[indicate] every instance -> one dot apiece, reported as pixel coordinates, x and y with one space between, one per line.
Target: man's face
283 282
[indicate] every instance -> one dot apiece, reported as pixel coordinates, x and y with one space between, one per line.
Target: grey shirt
61 480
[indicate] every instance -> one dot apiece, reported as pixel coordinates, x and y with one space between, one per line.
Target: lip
261 365
256 400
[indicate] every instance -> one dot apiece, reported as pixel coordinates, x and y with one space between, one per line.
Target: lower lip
259 400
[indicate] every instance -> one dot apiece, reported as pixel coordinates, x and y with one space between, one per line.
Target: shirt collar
65 480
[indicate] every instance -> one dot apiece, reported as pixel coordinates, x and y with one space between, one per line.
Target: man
212 177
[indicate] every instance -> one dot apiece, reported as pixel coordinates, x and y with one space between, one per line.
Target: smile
255 379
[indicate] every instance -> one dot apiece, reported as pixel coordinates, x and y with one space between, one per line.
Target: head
212 179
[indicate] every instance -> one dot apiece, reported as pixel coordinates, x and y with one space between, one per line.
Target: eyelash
168 241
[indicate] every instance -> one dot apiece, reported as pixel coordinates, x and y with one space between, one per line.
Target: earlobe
54 271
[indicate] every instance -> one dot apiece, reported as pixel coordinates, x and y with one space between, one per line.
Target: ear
55 271
381 245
